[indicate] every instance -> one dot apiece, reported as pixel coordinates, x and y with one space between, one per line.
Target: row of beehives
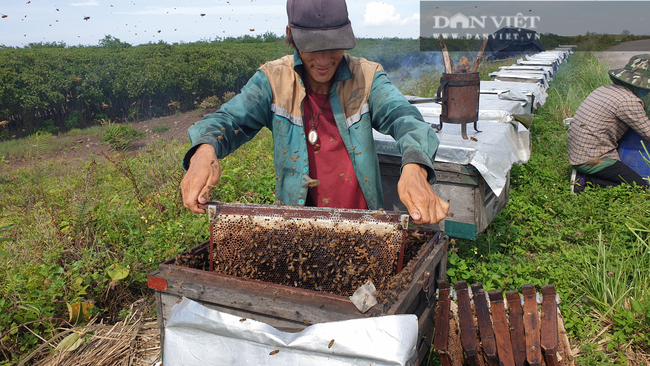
480 328
514 90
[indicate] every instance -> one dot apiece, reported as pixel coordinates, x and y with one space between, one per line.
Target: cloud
382 14
87 3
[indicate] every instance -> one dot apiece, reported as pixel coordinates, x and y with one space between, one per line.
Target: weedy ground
86 232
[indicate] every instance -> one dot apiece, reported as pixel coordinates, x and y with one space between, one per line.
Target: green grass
66 227
159 129
42 143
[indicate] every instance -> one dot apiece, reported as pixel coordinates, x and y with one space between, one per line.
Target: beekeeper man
321 106
603 118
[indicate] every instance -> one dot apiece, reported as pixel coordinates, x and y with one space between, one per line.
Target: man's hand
201 178
416 194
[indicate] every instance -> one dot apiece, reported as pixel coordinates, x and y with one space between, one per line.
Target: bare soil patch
86 145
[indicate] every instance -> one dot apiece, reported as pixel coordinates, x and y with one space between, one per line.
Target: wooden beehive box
473 204
292 309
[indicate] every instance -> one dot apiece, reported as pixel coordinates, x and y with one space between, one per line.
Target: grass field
75 233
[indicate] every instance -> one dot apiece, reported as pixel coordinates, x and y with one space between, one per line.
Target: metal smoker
458 94
459 97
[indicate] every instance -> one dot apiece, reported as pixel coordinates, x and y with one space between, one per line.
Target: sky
85 22
144 21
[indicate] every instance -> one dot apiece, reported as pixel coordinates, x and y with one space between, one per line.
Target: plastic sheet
198 336
536 89
520 77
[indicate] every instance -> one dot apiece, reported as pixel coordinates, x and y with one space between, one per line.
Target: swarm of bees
329 259
191 260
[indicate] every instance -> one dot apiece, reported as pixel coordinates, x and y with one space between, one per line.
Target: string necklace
312 137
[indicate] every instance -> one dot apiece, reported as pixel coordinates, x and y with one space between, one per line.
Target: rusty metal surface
531 325
488 342
501 329
517 335
467 326
549 329
460 95
329 250
441 337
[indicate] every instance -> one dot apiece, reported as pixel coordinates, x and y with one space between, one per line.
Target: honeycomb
328 254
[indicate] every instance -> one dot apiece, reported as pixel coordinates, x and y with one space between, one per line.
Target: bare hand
201 178
424 206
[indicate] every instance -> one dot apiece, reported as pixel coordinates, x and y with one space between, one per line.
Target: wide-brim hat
635 73
320 25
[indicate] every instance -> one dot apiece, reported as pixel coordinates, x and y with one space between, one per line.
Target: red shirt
329 161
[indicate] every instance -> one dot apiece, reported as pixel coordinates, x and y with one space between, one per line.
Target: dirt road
617 56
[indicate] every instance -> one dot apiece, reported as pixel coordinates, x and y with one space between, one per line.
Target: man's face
321 67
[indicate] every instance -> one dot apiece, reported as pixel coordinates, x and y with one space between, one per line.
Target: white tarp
198 336
535 88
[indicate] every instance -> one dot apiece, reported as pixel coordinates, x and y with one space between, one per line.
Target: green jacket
272 98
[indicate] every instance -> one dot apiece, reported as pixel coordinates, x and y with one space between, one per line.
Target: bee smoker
458 94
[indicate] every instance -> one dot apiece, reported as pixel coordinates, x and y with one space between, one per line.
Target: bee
220 137
159 31
86 18
326 201
285 151
332 139
353 148
473 138
294 158
274 352
357 153
594 162
4 124
233 302
242 320
202 14
77 79
223 129
310 183
342 175
4 16
175 104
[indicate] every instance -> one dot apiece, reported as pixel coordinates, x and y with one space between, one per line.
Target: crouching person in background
602 120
